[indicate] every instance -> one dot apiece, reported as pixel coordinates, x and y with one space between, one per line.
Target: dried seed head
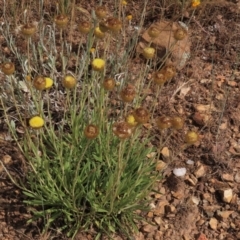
169 71
61 21
103 27
141 115
128 93
122 130
28 30
69 82
159 78
113 24
148 52
153 32
91 131
180 34
8 68
98 64
164 122
39 83
109 84
84 27
98 33
177 123
101 12
191 137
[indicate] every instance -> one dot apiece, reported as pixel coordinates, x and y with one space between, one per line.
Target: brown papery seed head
91 131
128 93
39 83
61 21
122 130
8 68
28 30
141 115
84 27
164 122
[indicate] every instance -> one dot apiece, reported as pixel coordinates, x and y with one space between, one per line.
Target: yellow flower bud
98 33
153 32
191 137
49 83
195 3
69 82
36 122
129 17
131 121
98 64
148 52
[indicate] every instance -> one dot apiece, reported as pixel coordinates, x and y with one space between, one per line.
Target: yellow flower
129 17
98 33
49 82
131 121
36 122
92 50
69 82
98 64
148 52
195 3
28 78
124 3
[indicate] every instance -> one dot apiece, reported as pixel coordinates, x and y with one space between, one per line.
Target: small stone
213 223
192 180
202 237
227 177
227 195
224 214
200 222
150 214
170 209
148 228
237 177
160 165
158 221
165 152
195 200
200 171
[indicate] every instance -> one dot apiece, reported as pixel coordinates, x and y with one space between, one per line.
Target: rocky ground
204 204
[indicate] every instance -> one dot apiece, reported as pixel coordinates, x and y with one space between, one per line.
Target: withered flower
141 115
91 131
128 93
164 122
122 130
